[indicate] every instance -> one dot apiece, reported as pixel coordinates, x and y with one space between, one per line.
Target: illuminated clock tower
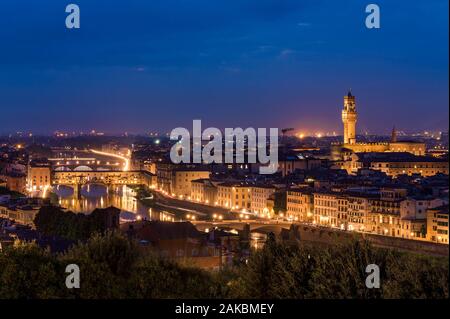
349 116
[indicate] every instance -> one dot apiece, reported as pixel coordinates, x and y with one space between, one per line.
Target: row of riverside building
371 203
385 211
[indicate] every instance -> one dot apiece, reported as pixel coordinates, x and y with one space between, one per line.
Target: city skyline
152 67
219 157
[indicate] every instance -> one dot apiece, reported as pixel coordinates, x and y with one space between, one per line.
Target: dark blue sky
141 65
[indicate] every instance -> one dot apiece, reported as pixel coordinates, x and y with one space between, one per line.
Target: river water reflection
97 196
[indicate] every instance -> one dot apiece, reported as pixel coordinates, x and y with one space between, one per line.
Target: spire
394 135
350 93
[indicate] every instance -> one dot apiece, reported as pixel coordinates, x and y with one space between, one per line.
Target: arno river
96 196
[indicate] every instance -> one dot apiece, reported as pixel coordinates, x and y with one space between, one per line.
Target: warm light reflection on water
97 196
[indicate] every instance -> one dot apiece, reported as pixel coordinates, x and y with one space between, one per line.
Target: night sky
141 65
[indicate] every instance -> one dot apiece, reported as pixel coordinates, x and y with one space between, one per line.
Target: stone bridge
313 234
76 179
255 225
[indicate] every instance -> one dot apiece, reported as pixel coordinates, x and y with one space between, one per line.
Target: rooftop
397 157
157 230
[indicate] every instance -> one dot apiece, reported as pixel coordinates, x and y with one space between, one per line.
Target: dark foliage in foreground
113 267
53 221
281 271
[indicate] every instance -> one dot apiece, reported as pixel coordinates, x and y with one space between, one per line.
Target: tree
286 271
27 271
280 202
53 221
105 262
112 266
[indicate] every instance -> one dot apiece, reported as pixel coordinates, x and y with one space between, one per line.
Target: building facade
39 176
437 224
350 144
204 191
300 205
326 208
176 181
425 166
236 196
394 164
259 195
16 182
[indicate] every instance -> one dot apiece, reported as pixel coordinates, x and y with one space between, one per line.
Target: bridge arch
62 169
83 168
